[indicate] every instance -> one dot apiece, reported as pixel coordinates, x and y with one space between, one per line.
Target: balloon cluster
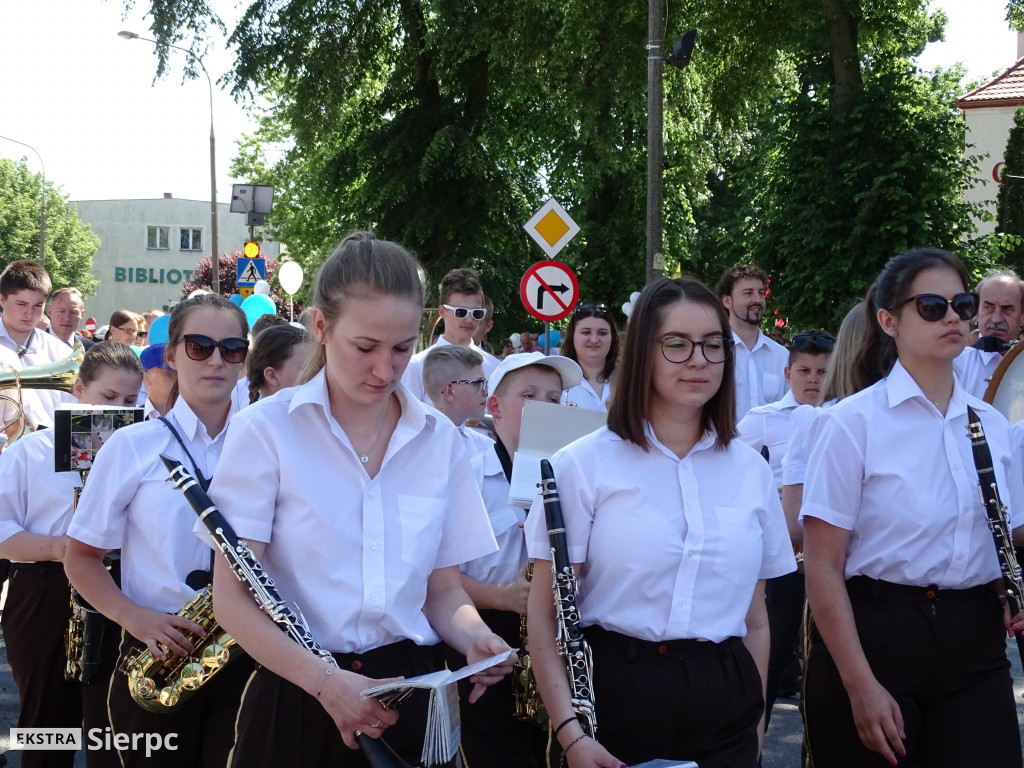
553 335
627 308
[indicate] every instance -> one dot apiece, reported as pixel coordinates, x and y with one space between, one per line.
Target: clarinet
248 569
1013 585
570 641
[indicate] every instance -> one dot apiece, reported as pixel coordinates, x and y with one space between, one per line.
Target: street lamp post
42 204
214 256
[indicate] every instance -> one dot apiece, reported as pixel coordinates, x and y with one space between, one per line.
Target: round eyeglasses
679 349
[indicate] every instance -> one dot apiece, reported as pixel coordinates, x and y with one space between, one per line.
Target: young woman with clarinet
671 526
907 662
361 504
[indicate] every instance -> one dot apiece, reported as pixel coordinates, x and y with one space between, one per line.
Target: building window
158 238
191 239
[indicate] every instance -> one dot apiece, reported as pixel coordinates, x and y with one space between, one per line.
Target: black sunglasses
591 309
821 340
200 347
932 307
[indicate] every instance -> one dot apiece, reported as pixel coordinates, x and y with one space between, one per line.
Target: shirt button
373 597
373 545
680 602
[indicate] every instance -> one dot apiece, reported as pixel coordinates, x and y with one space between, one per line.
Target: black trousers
203 725
280 724
94 699
784 600
941 654
491 736
35 620
677 700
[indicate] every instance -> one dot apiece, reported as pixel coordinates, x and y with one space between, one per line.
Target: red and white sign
90 324
549 290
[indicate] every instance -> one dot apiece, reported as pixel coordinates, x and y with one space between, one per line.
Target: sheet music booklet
444 731
546 428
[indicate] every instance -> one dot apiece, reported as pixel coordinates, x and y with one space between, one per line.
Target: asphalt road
781 749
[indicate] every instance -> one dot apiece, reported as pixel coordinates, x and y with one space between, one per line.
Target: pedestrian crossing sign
250 271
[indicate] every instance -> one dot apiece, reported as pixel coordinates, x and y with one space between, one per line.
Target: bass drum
1006 389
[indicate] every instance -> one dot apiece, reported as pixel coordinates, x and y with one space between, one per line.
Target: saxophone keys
216 655
170 696
192 676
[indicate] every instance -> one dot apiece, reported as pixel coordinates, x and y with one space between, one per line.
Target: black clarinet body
248 569
995 510
570 641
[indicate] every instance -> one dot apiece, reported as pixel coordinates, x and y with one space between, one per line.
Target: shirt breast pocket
737 548
422 519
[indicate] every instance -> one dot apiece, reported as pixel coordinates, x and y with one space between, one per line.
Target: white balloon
634 296
261 287
289 275
627 308
514 338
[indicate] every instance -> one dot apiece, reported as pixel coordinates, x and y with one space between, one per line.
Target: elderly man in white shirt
1000 314
760 362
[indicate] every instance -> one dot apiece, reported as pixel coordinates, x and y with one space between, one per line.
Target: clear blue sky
85 99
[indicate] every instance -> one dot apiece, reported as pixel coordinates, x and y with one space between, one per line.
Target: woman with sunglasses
592 341
362 510
673 526
907 662
129 504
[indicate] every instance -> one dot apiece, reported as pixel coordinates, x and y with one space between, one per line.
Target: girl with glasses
907 650
129 504
362 509
673 526
124 327
35 509
592 341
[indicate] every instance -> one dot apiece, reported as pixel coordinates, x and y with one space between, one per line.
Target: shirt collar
900 387
759 343
5 337
788 401
707 440
415 414
185 418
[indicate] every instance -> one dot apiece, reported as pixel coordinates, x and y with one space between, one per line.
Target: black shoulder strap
203 482
504 458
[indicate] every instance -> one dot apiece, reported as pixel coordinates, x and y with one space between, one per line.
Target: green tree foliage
1010 202
70 243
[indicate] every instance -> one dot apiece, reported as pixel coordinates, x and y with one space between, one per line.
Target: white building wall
136 277
987 130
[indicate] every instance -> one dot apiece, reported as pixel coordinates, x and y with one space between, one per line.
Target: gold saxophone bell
60 376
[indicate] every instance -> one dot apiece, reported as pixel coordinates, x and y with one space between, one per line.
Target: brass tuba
60 375
162 686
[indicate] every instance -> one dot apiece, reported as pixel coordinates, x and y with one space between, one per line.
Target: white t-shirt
670 548
760 373
887 466
128 503
34 498
353 552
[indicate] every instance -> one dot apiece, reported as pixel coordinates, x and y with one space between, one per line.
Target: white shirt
129 503
670 548
240 395
35 498
503 566
43 348
887 466
474 441
794 463
975 368
413 376
352 552
585 396
760 373
769 425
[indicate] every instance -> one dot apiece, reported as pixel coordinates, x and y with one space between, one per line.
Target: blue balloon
256 306
236 299
158 330
554 337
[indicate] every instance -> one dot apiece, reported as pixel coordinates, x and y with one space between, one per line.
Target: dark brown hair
568 348
890 291
22 274
631 404
108 354
462 280
271 349
730 277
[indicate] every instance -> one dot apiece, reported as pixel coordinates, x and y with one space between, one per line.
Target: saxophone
526 702
248 569
83 639
570 641
162 686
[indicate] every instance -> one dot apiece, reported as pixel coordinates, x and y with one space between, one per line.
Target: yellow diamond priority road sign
551 227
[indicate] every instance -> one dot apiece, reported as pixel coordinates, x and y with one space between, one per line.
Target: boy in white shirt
453 378
497 583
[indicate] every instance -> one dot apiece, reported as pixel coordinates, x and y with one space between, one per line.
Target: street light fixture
214 256
42 204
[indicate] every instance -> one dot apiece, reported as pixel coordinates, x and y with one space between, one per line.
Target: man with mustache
760 362
1000 305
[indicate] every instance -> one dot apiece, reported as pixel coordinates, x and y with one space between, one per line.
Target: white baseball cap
567 369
